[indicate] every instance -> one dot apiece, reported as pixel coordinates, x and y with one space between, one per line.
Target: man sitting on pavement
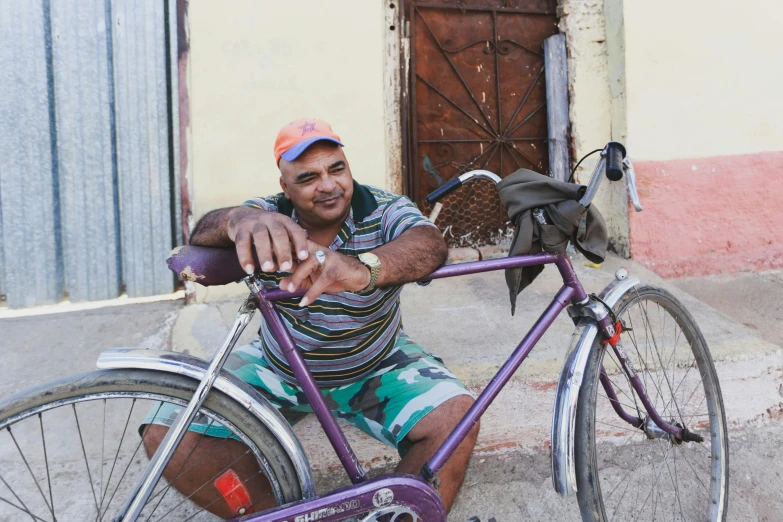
353 247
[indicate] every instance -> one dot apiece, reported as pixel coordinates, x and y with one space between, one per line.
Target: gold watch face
369 259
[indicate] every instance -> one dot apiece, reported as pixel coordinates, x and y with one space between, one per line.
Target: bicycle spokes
647 417
659 438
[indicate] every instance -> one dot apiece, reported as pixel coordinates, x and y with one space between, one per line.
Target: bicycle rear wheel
627 473
73 449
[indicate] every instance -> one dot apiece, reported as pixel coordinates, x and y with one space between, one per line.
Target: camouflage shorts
398 393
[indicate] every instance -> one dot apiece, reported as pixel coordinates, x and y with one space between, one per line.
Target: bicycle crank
392 514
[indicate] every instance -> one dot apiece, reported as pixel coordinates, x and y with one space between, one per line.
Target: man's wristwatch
372 262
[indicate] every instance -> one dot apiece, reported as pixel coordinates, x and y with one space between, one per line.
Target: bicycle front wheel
628 473
73 450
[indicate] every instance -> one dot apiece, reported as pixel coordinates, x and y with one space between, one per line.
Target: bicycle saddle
206 266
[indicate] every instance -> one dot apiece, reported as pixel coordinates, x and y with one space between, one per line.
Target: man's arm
211 229
246 228
416 253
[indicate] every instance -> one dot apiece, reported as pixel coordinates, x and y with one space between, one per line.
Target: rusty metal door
477 100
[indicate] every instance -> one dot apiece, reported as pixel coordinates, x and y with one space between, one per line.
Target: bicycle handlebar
615 154
614 163
444 190
455 183
220 266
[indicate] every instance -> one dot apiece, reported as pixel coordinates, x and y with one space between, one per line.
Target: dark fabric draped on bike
524 191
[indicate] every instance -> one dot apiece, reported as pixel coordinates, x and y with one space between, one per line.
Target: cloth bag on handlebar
525 190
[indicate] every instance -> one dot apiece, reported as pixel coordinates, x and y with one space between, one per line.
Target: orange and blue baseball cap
294 138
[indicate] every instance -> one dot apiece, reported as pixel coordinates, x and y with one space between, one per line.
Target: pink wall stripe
709 215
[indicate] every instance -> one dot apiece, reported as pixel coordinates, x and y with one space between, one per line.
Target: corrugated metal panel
87 173
86 194
142 144
28 167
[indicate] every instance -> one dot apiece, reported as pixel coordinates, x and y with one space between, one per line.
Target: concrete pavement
467 321
753 299
39 348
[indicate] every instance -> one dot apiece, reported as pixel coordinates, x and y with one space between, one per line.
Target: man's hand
339 273
416 253
271 234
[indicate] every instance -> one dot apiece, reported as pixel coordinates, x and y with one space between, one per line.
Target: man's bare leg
427 436
199 460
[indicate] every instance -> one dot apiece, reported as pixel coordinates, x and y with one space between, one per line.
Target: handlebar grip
615 153
444 190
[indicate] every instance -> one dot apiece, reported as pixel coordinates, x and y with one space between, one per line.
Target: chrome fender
243 393
568 387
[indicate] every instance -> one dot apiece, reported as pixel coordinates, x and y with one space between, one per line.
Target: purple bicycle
638 430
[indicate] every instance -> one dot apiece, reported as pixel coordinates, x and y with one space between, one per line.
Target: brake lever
630 180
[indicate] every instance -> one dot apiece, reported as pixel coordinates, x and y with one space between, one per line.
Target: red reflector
613 340
234 492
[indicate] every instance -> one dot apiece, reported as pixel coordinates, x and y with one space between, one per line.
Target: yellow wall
256 65
702 77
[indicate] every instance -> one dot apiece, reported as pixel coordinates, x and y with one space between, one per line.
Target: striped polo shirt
343 336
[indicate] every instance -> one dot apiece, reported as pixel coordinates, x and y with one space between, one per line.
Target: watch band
372 262
374 270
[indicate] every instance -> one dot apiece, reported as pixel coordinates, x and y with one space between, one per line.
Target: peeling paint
188 274
591 105
183 86
395 43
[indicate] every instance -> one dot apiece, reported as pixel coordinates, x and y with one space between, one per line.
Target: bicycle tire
596 460
124 384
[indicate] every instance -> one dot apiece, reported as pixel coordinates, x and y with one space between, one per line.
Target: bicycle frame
571 291
403 490
398 489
